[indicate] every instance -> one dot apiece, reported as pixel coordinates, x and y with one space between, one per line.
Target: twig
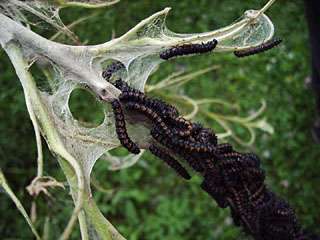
18 204
88 5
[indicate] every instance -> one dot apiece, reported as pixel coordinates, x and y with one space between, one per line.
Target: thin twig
88 5
18 204
71 25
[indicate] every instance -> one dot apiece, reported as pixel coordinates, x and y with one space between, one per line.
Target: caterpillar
249 159
209 165
187 49
238 198
259 200
283 208
259 191
111 69
121 85
181 133
207 135
201 148
182 123
192 161
224 148
161 138
152 115
130 94
232 155
176 166
216 194
121 128
268 204
259 49
164 110
256 173
230 162
235 172
252 159
285 213
196 128
168 142
167 111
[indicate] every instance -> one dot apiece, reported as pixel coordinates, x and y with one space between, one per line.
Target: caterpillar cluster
233 179
259 49
178 133
188 49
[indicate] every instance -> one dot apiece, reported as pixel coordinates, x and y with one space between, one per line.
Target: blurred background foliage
148 201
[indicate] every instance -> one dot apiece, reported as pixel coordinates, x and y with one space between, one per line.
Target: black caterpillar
224 148
176 166
216 193
130 94
187 49
203 149
121 128
259 49
111 69
171 143
152 115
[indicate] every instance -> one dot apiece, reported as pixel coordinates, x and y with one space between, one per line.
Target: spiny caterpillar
176 166
121 128
187 49
259 49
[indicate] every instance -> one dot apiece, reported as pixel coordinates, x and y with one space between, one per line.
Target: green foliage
149 201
